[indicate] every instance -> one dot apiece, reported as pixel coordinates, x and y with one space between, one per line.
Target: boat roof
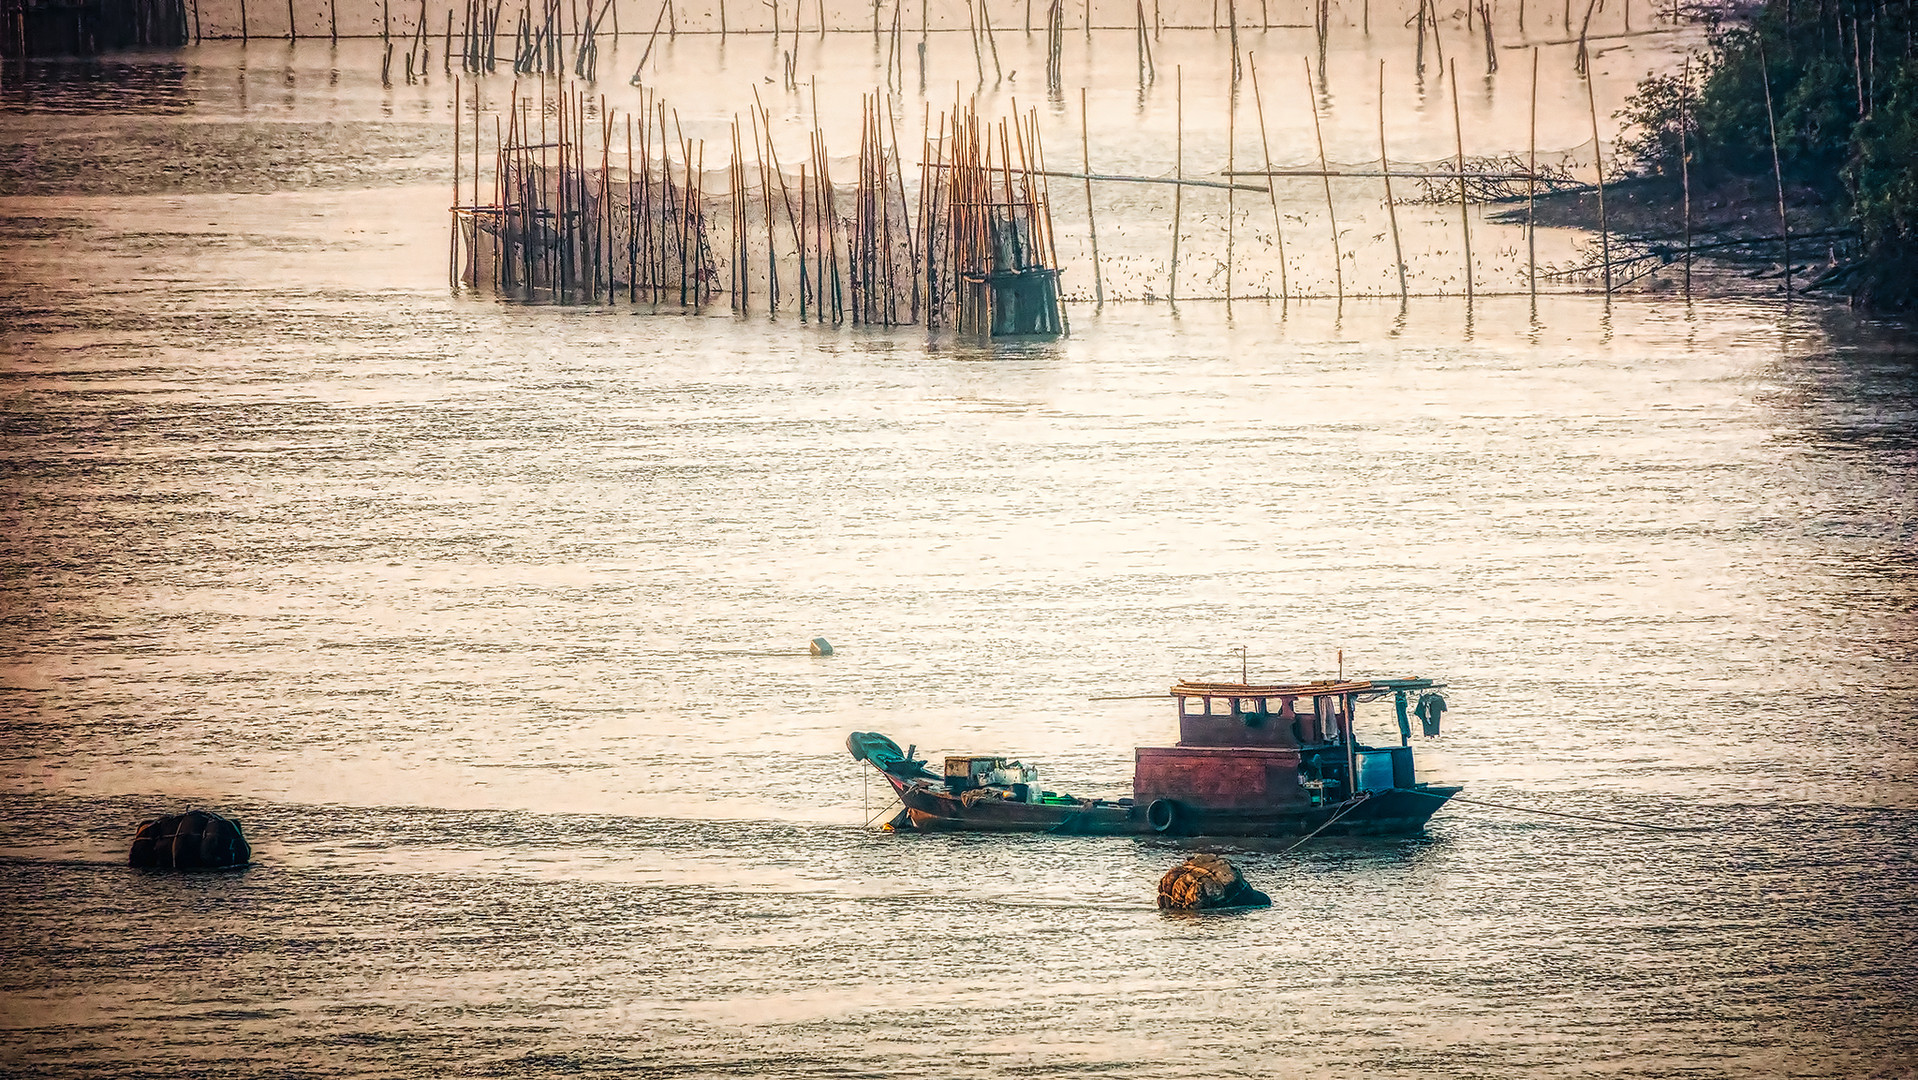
1190 688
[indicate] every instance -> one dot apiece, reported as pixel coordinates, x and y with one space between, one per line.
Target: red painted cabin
1267 748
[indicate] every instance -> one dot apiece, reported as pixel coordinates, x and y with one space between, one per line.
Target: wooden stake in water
1092 226
978 54
1598 166
1684 165
1146 66
1777 170
1531 189
985 20
1178 193
1338 261
1491 50
1464 212
1231 167
632 221
766 207
1271 185
1391 208
452 249
1232 26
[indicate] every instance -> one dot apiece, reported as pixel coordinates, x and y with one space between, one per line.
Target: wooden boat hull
1394 812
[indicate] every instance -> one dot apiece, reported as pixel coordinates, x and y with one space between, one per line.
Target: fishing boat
1280 760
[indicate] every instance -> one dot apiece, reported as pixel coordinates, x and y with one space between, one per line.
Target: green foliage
1883 178
1825 64
1653 117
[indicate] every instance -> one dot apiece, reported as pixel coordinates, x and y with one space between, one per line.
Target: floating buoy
821 647
1207 882
195 840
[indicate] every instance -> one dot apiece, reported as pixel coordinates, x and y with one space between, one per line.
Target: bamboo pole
978 54
921 284
1338 258
1092 226
563 193
632 221
1778 172
803 277
1464 211
1178 193
1044 195
1271 190
890 310
785 196
452 250
476 144
1391 208
1232 27
831 224
539 181
1684 165
696 225
501 265
985 20
766 207
736 266
936 224
1491 50
1144 45
1231 159
1598 165
905 219
605 250
1531 190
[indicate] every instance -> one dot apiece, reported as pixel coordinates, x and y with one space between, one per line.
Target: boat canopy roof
1324 688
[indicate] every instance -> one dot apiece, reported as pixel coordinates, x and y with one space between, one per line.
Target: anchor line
1343 810
888 810
1557 813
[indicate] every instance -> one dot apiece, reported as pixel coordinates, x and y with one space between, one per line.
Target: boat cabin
1271 747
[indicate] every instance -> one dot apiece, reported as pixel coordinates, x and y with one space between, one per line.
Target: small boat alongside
1251 760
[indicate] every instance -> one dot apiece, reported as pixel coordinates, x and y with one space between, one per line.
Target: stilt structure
975 255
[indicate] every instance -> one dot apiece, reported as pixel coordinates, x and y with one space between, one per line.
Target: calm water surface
491 623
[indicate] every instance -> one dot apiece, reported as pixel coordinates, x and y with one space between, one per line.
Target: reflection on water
149 84
490 624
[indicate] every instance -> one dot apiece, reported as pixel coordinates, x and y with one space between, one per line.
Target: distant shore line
1788 150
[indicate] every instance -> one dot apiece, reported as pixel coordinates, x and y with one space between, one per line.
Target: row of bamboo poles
569 220
974 249
590 21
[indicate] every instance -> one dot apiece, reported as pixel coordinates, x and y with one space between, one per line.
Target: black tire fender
1163 815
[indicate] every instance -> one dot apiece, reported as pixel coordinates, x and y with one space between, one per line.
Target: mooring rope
1343 810
890 803
1557 813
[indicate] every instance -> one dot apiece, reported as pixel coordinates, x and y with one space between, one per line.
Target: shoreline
1736 242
